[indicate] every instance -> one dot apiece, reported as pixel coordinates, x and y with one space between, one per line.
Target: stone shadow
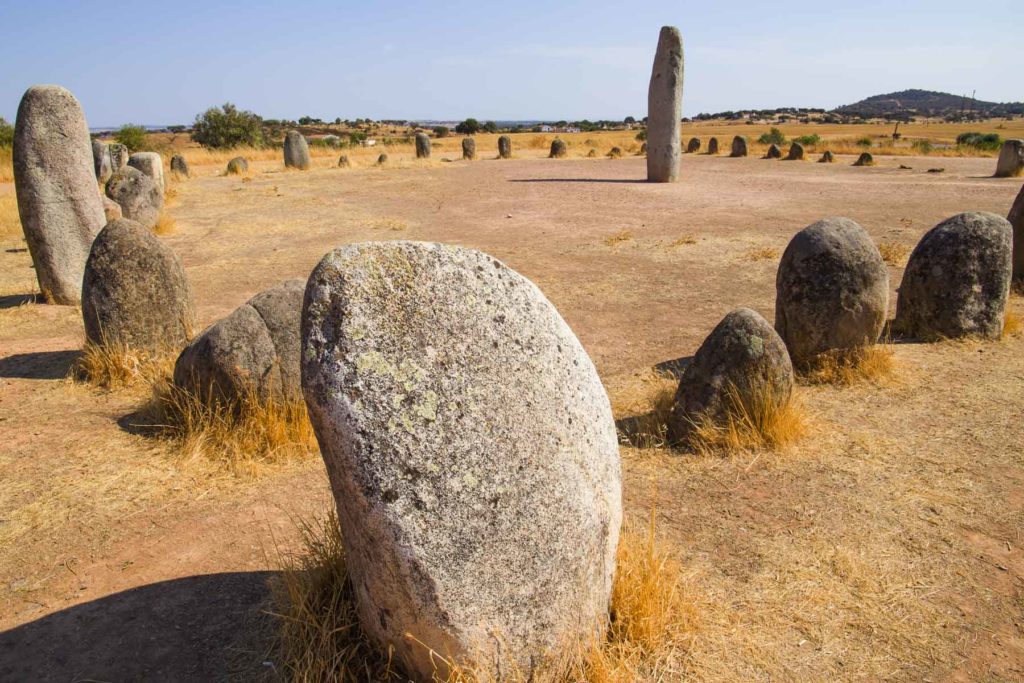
38 365
15 300
578 180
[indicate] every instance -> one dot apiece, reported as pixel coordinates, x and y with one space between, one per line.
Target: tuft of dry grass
165 224
241 435
875 363
756 424
10 220
1012 325
114 365
894 253
762 254
618 238
683 240
387 223
6 165
653 400
652 618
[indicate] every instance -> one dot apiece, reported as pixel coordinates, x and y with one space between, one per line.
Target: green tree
441 131
226 127
6 133
772 137
468 127
131 136
491 127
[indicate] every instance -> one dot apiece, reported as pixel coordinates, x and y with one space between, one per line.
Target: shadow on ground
578 180
200 628
15 300
38 365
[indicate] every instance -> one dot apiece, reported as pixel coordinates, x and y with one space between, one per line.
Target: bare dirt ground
885 546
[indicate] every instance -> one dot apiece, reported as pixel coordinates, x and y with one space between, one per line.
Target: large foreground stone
296 151
957 279
743 362
152 165
665 108
504 147
101 162
422 146
135 291
1016 218
831 290
55 181
138 195
739 147
471 452
1011 159
255 348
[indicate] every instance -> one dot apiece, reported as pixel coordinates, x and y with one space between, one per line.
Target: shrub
441 131
468 127
6 133
863 142
922 146
131 136
984 141
491 127
808 140
772 137
226 127
641 136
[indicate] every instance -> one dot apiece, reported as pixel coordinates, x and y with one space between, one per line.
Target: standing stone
957 279
255 348
101 162
454 407
796 152
343 161
643 149
865 159
152 165
296 151
665 108
135 292
693 146
558 149
739 146
179 166
504 147
831 290
382 159
422 146
826 158
615 153
139 197
55 181
773 152
111 209
743 360
713 146
237 166
118 156
468 148
1016 218
1011 159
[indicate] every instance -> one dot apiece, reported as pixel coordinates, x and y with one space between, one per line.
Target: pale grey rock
255 348
1016 219
504 147
957 279
422 146
472 455
296 151
742 359
831 290
118 156
1011 159
101 162
665 108
558 149
138 195
152 165
739 147
55 182
135 292
468 148
237 166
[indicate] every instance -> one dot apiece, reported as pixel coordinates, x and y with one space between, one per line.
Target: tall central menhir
665 108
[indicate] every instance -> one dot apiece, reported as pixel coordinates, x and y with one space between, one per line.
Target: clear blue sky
163 62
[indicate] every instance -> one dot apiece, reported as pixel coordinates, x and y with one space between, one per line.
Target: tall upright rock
296 151
1011 159
665 108
1016 218
55 180
422 146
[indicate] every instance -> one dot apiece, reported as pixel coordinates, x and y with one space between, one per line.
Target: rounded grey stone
796 152
152 165
957 279
101 162
422 146
118 156
665 108
296 151
1011 159
826 158
773 152
382 159
139 197
55 181
468 148
739 146
693 146
237 166
1016 219
343 161
713 146
558 149
471 452
504 147
743 358
135 292
865 159
179 166
255 348
831 290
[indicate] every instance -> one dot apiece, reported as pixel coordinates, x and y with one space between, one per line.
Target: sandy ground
885 546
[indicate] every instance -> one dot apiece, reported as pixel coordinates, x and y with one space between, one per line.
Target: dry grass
894 253
756 424
875 364
242 436
650 405
683 240
652 624
761 254
1012 325
386 223
6 165
10 221
165 225
618 238
114 365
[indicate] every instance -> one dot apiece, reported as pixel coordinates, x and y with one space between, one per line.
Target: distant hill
928 103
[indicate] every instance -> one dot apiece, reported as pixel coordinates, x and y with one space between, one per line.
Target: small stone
827 157
101 162
936 170
693 146
1011 159
152 165
592 153
1016 219
558 149
773 153
135 292
713 146
831 290
957 280
422 146
665 108
296 151
865 159
179 166
504 147
742 360
343 161
796 152
739 146
615 153
237 166
468 148
139 197
382 159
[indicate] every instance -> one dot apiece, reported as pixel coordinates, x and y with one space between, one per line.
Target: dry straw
755 422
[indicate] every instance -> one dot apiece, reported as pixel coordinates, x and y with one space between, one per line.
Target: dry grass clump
653 400
683 240
618 238
875 364
754 424
894 253
387 223
114 365
762 254
165 224
652 619
10 220
239 434
6 165
1012 325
